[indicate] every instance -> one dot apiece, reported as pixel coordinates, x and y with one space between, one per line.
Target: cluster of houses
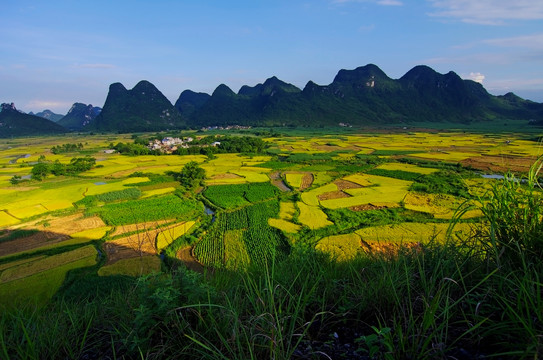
169 144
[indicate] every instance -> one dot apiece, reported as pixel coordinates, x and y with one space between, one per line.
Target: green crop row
150 209
233 196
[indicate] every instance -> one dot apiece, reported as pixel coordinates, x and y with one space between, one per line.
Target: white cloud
534 41
476 76
488 12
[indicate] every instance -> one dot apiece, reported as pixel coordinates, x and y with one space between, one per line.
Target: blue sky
54 53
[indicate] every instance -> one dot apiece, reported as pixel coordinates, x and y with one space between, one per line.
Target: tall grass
514 213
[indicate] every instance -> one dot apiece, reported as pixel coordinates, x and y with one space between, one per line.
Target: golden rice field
294 179
167 236
284 225
92 234
312 216
286 210
340 247
407 167
441 206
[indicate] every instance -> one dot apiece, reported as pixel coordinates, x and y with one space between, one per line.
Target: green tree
15 179
57 168
191 175
40 170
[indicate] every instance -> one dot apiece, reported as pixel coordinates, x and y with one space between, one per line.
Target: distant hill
362 96
79 116
365 95
16 123
49 115
144 108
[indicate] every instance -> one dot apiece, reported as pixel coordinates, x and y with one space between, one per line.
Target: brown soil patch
131 246
389 249
185 255
225 176
22 188
333 195
307 180
344 184
124 173
499 163
124 229
329 148
366 207
33 241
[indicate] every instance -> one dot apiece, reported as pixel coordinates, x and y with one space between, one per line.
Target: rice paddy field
308 188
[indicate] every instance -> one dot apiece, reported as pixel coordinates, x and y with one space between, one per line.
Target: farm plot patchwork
287 210
375 190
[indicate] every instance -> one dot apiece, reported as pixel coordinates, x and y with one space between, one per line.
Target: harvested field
366 207
68 225
333 195
33 241
344 184
124 229
500 164
132 246
307 181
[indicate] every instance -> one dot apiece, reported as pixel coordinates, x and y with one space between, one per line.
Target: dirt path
185 255
278 182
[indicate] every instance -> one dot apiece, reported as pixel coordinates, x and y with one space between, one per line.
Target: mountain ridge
365 95
79 116
16 123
